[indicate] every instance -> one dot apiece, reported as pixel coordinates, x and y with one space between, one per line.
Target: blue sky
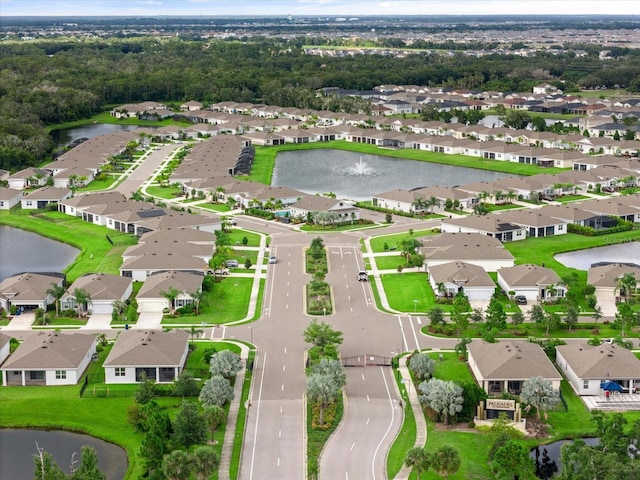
313 7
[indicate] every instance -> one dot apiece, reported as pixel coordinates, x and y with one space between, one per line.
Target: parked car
232 264
363 276
521 300
273 259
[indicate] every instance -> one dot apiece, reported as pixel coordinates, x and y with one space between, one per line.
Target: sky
349 8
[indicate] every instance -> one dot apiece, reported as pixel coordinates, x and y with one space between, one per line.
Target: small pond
356 176
65 136
23 251
547 457
583 259
20 446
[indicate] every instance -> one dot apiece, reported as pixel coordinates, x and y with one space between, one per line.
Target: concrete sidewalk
421 424
232 418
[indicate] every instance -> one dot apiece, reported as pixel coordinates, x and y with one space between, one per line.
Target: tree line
53 81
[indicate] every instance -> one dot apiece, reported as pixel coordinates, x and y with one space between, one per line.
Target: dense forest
49 82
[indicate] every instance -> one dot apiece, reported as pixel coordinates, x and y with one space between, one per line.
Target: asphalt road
145 170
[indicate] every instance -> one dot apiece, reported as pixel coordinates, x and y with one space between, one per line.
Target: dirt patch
457 427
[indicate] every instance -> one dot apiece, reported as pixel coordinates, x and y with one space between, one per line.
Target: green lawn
96 253
102 184
339 228
216 207
236 236
406 438
571 198
388 262
242 256
403 289
168 193
393 240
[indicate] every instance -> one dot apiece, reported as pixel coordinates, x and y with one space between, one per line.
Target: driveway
149 321
98 321
21 322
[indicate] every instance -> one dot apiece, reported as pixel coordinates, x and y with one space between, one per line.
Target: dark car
521 300
363 276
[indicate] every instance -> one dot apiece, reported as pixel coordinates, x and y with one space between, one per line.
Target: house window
29 203
585 384
120 371
36 375
61 374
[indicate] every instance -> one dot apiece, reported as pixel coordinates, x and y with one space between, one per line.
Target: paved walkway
421 424
232 417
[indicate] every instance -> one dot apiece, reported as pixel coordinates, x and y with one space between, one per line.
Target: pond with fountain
356 176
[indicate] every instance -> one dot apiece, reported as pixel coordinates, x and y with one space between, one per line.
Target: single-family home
503 367
490 225
103 290
606 279
28 290
314 206
537 224
49 358
397 199
151 296
449 279
157 354
9 198
587 366
482 250
534 282
43 197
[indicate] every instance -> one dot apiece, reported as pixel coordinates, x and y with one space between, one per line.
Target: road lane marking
255 435
280 408
404 339
224 331
284 368
393 415
363 377
367 422
419 320
352 446
283 387
279 433
368 398
278 461
285 349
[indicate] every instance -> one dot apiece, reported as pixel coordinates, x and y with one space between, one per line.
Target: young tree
496 318
445 460
214 415
225 363
57 292
321 334
151 451
537 314
538 392
118 309
216 391
421 366
322 390
171 296
197 298
177 465
444 397
46 467
551 321
477 315
195 332
204 461
82 298
417 459
88 469
147 389
189 427
185 385
625 317
517 318
571 315
436 316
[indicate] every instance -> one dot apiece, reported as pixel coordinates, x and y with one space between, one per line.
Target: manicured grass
52 320
571 198
498 208
403 289
96 253
391 262
168 193
450 367
377 243
216 207
241 256
242 420
316 438
406 438
102 184
236 236
340 228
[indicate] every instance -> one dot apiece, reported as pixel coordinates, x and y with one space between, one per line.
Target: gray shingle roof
148 348
600 362
51 351
528 275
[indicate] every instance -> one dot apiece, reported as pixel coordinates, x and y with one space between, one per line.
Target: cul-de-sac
319 240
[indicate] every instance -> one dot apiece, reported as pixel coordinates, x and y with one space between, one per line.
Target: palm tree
498 195
627 283
419 205
82 298
433 202
197 297
539 392
442 289
445 460
57 292
195 332
171 296
417 459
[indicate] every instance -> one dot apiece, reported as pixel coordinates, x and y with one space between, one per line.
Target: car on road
521 300
273 259
363 276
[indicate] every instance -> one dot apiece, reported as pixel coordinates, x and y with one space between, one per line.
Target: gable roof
28 286
51 351
608 275
148 348
600 362
158 282
528 275
464 246
102 286
461 273
511 359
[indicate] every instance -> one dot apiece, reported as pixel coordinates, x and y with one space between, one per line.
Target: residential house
311 205
586 367
449 279
28 178
157 354
191 106
28 290
103 290
491 225
78 203
43 197
503 367
482 250
535 283
151 296
398 199
49 358
9 198
606 279
575 214
537 224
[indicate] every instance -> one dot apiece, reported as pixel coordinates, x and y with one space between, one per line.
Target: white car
273 259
